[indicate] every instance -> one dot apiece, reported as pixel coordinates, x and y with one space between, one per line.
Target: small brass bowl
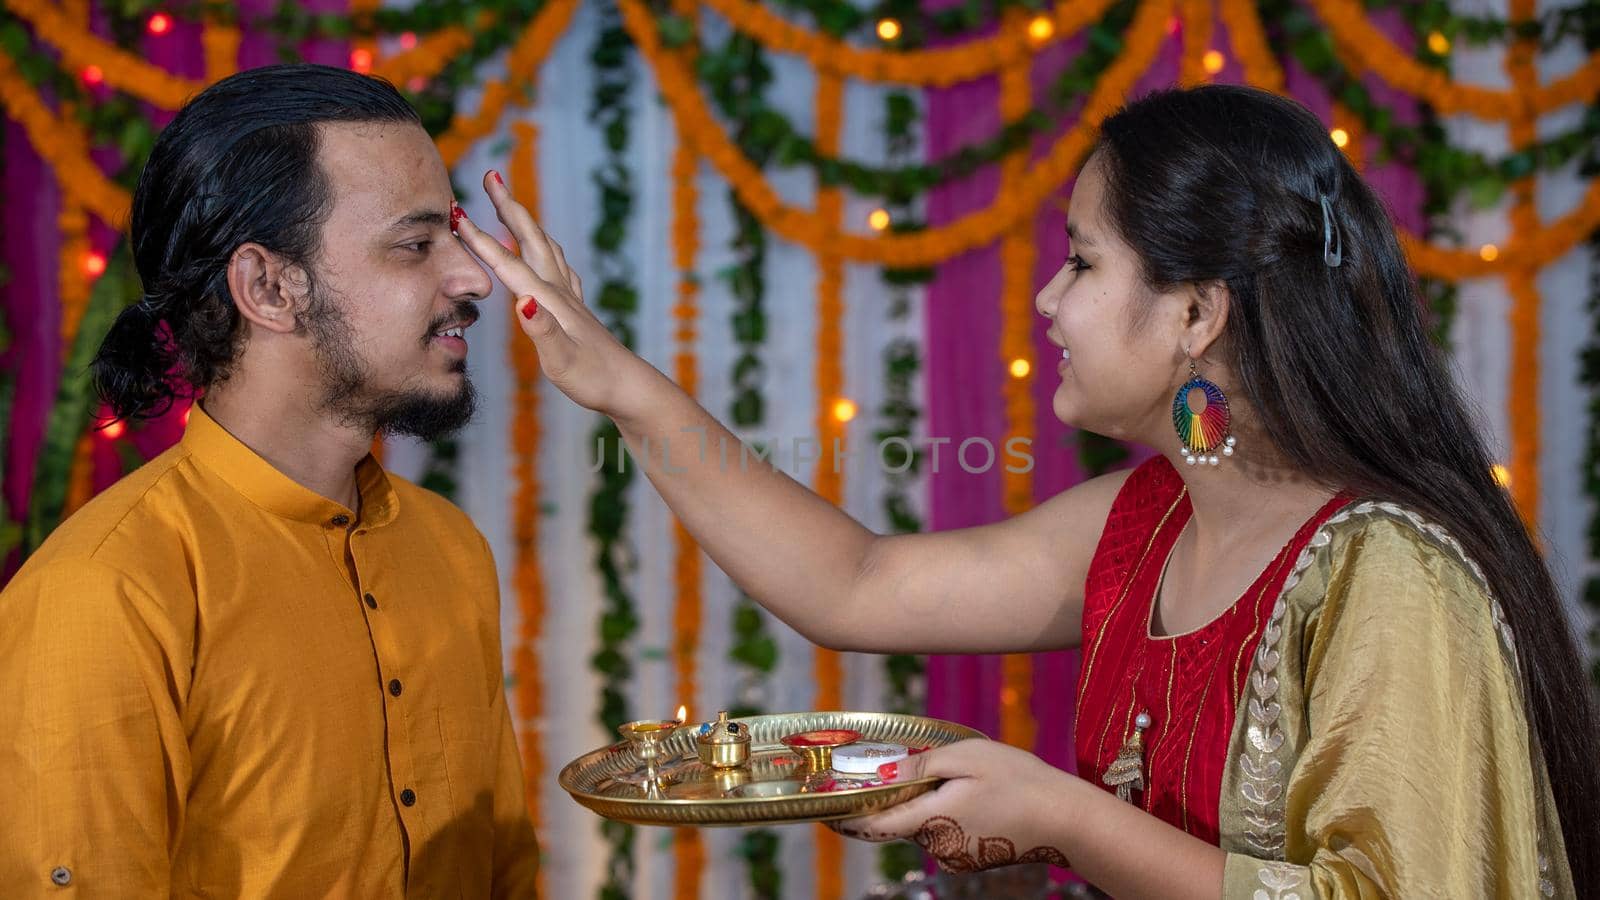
816 747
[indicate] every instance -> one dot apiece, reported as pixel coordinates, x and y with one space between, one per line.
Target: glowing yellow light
888 29
361 60
114 430
93 75
1041 29
683 713
1340 137
1438 43
160 23
94 264
1020 368
1502 475
1489 252
878 219
844 410
1213 61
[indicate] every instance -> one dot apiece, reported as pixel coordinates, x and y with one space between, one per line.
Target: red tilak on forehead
456 215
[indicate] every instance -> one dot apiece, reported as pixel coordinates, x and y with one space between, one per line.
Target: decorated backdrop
827 220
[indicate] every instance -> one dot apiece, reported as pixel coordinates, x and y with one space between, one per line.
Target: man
260 666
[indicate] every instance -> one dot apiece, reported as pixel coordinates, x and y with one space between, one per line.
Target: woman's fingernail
456 215
529 308
497 179
888 771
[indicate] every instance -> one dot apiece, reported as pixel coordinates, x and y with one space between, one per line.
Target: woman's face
1124 354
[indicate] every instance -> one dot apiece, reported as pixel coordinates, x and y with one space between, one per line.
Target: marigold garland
525 510
1369 48
220 45
522 64
688 850
1018 257
431 54
1250 47
72 284
1197 29
940 67
923 248
80 179
122 70
829 483
1522 285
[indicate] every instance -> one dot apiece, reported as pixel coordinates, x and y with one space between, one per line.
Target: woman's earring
1204 431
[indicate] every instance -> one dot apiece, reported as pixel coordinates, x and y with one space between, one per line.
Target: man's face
394 290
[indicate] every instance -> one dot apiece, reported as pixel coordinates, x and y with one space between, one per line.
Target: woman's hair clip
1332 239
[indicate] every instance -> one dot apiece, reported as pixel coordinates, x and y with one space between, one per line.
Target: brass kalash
758 770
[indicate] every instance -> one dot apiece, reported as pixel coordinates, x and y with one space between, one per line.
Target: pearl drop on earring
1227 451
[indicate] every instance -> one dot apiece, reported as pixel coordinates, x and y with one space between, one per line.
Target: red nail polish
888 771
531 307
496 176
456 215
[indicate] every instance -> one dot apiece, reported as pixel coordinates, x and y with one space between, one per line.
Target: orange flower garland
220 44
72 283
522 65
525 510
1197 29
123 70
829 483
1369 48
688 850
1250 44
677 84
79 177
1018 256
431 54
1522 285
939 67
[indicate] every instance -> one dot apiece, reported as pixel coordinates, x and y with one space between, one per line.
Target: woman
1322 656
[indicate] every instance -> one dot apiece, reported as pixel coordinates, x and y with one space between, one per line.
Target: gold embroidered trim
1266 778
1279 878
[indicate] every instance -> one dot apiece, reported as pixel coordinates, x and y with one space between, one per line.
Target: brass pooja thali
740 772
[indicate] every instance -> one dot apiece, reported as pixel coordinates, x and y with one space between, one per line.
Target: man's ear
268 292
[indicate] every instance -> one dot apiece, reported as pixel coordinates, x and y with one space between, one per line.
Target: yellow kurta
217 683
1382 749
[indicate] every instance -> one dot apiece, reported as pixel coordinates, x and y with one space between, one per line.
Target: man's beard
348 395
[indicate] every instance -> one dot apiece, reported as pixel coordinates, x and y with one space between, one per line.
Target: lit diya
817 746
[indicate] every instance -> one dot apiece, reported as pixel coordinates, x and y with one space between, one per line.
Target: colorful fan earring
1204 431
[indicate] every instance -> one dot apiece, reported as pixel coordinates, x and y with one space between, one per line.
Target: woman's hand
576 351
999 806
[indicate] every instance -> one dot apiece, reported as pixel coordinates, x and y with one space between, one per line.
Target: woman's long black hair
1223 183
238 164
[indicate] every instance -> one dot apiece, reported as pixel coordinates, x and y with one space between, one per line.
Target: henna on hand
946 842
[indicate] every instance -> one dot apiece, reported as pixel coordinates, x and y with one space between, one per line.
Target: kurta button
339 521
371 601
408 797
394 686
61 875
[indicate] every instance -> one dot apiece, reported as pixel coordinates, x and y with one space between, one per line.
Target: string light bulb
94 264
1041 29
878 219
1213 61
888 29
158 24
408 40
1438 43
844 410
1489 252
115 429
361 60
1341 138
93 75
1020 368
